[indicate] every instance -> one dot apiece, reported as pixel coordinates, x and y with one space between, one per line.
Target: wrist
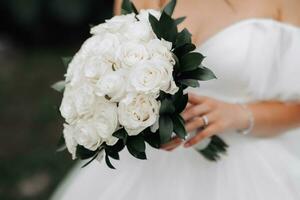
246 120
242 117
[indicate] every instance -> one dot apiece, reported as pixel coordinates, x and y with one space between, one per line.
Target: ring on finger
205 120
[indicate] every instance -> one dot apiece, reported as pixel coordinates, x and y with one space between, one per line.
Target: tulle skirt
253 169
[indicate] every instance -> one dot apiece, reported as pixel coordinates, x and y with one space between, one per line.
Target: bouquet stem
213 150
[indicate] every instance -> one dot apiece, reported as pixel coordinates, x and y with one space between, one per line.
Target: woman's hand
221 117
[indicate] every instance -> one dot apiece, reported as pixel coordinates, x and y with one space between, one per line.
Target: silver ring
205 120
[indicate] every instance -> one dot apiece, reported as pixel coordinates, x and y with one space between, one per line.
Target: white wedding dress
254 59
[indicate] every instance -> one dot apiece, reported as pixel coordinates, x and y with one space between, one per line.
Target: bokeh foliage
51 21
36 34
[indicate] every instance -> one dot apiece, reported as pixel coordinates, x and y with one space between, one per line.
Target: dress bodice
254 59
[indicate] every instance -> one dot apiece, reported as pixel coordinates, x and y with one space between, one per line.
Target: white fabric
256 59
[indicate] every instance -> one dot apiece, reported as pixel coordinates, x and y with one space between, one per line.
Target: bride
253 47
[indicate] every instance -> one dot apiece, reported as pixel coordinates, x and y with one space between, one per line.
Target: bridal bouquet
126 86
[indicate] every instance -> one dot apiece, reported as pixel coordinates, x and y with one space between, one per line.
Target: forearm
272 118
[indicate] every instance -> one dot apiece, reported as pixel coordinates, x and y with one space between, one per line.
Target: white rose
140 31
105 118
137 112
160 49
116 24
155 126
132 53
171 88
78 102
70 140
95 57
144 14
67 107
111 141
95 67
84 99
86 135
92 132
112 85
101 46
74 72
152 76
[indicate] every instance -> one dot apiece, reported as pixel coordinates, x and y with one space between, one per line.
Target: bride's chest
228 55
206 18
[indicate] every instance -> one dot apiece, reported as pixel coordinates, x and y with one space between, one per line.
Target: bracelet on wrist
251 122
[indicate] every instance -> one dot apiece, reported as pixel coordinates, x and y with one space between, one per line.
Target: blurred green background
34 35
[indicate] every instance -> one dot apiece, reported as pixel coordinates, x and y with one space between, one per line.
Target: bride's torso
254 60
252 46
248 57
206 18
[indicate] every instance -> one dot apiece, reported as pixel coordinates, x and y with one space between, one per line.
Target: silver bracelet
251 122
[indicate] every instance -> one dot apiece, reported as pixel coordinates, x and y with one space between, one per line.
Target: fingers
195 111
207 132
173 147
198 122
189 105
195 99
172 144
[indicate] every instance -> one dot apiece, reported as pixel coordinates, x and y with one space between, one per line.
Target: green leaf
108 162
136 154
165 128
164 28
59 86
219 141
215 148
209 155
167 106
121 134
180 102
177 64
190 82
134 9
164 95
176 97
136 146
61 145
168 28
66 61
127 7
201 74
179 127
112 154
137 143
170 7
183 50
84 153
181 119
191 61
153 139
155 25
184 37
89 162
179 20
119 146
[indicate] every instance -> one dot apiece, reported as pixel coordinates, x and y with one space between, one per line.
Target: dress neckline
244 22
